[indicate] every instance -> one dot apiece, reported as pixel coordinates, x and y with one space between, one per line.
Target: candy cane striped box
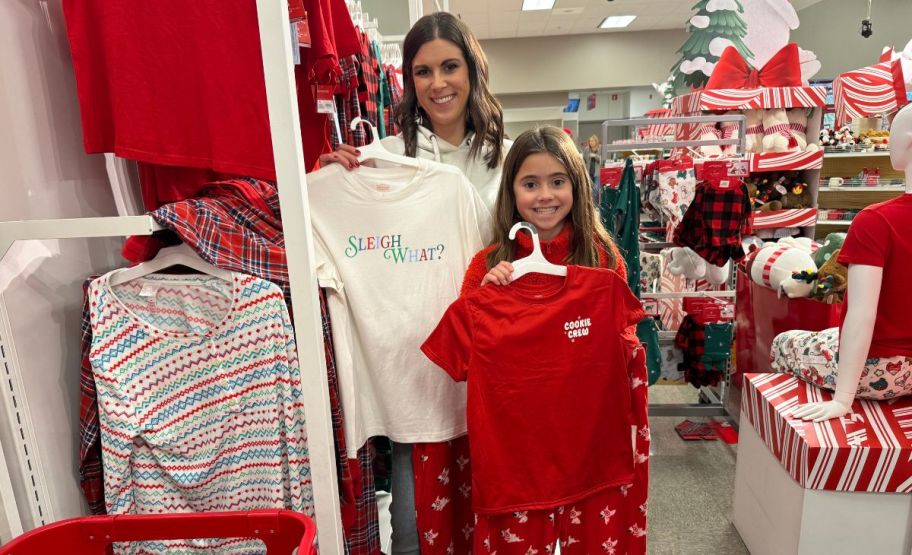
748 99
869 450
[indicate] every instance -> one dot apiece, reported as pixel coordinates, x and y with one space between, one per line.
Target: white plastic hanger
535 262
181 255
376 151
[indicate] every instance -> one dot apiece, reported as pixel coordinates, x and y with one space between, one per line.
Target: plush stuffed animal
730 130
776 133
773 266
798 196
831 243
753 131
708 133
718 275
685 262
832 280
798 119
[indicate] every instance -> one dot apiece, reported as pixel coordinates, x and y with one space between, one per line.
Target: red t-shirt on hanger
549 408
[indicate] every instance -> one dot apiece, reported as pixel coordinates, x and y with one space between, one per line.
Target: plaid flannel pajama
369 83
714 221
691 339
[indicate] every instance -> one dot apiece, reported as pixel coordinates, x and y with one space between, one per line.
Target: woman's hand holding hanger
346 155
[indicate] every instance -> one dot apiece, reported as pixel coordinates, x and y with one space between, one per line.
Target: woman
448 113
592 157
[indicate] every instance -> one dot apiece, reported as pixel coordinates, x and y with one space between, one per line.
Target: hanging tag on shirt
727 310
738 168
148 290
610 177
326 102
295 47
304 39
296 11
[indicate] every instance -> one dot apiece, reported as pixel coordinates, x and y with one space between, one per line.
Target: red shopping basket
281 531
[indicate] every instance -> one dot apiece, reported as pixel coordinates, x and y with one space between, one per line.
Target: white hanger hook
536 245
373 130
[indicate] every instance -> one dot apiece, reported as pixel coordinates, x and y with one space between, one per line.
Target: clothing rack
712 402
25 486
680 120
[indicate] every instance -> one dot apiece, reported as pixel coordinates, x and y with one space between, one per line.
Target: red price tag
326 102
296 11
610 177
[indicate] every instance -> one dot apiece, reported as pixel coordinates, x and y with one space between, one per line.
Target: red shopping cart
281 531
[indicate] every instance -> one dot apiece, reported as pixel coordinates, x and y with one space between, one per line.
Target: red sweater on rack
556 251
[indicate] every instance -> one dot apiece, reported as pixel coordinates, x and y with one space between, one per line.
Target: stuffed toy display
773 266
753 135
730 130
832 243
798 196
798 119
709 133
685 262
776 132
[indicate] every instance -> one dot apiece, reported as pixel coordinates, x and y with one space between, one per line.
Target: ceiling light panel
616 21
531 5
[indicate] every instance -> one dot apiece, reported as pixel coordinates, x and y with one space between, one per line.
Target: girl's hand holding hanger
500 274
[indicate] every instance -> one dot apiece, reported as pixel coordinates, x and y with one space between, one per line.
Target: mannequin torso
865 282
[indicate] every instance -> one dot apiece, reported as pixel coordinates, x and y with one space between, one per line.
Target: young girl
545 182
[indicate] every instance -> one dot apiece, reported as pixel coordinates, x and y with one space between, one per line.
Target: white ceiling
498 19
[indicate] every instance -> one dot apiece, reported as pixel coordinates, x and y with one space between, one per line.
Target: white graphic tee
392 245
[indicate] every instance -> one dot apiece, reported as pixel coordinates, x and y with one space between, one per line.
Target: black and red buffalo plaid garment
714 222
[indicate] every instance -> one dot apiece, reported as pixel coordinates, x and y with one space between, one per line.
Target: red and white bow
733 72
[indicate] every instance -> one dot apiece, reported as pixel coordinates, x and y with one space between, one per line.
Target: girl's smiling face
544 194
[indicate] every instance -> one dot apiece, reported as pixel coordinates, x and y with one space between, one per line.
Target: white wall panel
45 174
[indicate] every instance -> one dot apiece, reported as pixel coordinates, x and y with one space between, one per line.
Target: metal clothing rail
680 120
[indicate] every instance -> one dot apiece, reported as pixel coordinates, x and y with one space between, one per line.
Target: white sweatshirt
432 147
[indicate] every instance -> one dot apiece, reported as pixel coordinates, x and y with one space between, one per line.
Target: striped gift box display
762 98
870 449
869 91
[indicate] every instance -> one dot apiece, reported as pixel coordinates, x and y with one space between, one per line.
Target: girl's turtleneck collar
556 250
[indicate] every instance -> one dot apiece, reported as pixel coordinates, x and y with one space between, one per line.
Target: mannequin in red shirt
875 334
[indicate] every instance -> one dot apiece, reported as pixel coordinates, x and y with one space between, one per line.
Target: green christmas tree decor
716 26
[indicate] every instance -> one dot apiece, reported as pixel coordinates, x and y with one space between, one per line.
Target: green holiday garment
620 213
717 346
648 334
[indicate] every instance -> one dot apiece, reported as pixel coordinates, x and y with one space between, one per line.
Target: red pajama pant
595 524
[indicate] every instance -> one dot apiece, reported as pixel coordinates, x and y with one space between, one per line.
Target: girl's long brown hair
588 230
484 114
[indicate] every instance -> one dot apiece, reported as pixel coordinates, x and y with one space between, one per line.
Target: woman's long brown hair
588 230
484 114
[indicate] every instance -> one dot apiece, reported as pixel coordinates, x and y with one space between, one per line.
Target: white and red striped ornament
870 449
